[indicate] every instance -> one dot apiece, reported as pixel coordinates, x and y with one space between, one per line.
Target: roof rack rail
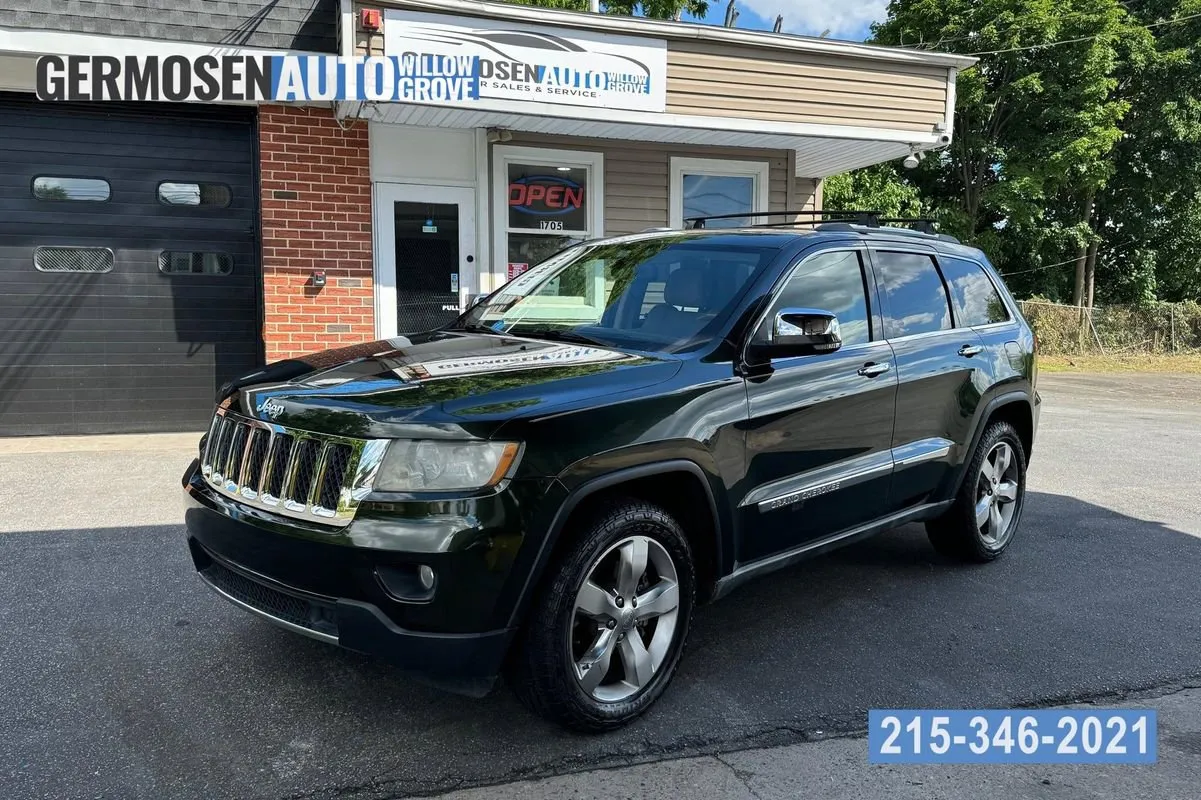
828 220
868 218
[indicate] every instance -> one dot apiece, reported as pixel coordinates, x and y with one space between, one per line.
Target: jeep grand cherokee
549 486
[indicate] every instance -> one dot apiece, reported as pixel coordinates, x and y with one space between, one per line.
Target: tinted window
46 187
973 294
832 282
73 259
666 293
917 300
184 262
194 194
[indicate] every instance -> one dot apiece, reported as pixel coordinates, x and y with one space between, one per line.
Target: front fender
604 471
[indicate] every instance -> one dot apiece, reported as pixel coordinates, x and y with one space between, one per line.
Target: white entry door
425 256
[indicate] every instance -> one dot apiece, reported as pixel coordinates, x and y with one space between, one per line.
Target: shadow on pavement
124 676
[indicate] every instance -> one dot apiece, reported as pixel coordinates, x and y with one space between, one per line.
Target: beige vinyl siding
806 194
727 81
637 175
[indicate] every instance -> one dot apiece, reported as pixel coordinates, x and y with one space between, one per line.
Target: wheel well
682 495
1017 413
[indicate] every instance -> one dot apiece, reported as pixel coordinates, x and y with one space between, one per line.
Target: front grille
313 615
298 473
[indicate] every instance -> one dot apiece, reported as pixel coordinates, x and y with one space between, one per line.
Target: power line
1080 39
1036 269
1009 28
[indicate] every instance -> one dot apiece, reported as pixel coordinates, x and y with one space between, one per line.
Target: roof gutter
641 26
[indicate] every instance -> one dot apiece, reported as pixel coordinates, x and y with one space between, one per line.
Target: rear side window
973 294
831 281
916 300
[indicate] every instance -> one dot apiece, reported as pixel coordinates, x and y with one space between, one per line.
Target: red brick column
316 204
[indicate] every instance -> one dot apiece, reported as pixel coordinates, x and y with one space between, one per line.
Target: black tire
955 534
542 671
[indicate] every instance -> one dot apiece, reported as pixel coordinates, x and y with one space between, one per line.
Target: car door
939 372
820 426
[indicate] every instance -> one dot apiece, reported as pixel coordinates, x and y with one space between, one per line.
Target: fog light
426 575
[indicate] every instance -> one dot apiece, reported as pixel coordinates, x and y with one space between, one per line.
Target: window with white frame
544 200
709 186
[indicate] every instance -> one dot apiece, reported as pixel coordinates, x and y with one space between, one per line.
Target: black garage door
129 272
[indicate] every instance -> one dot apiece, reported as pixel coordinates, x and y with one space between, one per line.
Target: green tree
879 188
1149 214
1036 123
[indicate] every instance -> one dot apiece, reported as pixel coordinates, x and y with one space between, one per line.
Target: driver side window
831 281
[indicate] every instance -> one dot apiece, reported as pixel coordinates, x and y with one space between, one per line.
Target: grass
1140 362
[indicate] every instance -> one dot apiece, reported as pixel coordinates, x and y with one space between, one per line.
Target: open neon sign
545 195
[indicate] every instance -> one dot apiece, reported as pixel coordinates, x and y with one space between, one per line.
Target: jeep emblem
271 408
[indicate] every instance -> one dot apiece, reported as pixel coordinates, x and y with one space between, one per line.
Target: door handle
969 350
872 370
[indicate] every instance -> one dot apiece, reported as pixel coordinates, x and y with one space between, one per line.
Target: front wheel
608 630
988 508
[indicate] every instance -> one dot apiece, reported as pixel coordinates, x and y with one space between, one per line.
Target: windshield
661 294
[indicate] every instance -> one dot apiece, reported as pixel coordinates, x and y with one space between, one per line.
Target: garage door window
73 259
49 187
183 262
175 193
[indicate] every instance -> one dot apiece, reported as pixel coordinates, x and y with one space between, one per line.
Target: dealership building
150 251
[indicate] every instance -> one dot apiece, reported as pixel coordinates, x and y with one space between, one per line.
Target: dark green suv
548 487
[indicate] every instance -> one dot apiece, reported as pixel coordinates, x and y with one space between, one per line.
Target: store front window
547 200
703 187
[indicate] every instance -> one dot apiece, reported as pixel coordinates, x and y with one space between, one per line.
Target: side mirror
803 332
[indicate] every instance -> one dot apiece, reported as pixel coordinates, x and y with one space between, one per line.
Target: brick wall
316 202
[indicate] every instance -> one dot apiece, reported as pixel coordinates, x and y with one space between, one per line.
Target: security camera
911 161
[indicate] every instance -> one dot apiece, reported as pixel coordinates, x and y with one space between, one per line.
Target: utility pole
594 6
731 15
779 26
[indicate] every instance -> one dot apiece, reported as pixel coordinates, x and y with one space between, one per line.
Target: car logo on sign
271 408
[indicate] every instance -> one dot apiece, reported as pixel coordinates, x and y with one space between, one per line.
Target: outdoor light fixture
499 135
913 159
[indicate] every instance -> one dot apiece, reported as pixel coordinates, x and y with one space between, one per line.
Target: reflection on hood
516 356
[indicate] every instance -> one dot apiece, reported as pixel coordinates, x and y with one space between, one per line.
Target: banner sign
459 61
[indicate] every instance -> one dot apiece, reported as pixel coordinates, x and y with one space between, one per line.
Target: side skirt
810 549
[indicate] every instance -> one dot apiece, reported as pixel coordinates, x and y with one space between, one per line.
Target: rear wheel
985 515
608 630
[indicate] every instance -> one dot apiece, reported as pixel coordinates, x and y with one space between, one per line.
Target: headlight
439 466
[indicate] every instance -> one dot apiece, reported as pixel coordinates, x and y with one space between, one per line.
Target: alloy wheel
624 619
997 494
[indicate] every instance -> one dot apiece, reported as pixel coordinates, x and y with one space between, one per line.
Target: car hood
437 384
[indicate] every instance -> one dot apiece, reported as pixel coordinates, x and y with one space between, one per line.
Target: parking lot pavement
124 677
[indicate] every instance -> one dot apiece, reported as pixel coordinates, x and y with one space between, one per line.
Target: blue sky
845 19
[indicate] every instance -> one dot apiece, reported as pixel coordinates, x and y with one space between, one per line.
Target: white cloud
844 18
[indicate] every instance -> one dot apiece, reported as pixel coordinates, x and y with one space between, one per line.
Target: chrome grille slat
310 476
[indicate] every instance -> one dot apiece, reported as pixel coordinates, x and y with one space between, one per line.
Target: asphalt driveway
122 676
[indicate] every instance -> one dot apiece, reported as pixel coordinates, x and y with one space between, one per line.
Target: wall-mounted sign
465 61
516 269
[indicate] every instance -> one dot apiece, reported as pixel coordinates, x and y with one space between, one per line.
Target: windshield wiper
557 335
478 327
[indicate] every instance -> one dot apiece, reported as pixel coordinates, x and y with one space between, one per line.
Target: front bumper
331 584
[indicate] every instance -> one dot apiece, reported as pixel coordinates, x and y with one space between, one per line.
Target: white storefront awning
819 152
